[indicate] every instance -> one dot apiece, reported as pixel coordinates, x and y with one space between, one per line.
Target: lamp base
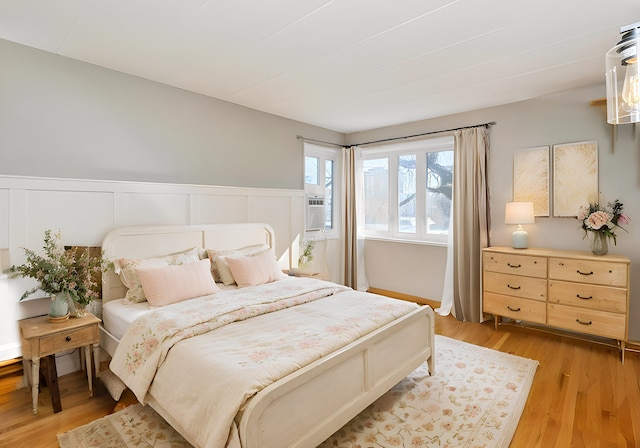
520 238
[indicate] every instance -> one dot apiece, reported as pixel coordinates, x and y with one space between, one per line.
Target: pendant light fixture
623 78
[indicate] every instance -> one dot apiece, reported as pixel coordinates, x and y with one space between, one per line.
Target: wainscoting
86 210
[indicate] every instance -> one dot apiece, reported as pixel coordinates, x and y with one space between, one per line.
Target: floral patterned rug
475 399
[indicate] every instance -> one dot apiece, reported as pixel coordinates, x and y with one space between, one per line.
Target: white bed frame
306 407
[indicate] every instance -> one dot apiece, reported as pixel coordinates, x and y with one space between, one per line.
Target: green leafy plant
306 256
60 270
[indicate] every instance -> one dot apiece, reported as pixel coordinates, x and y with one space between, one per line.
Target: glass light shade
623 78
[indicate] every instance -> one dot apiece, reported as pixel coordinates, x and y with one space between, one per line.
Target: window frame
323 154
393 152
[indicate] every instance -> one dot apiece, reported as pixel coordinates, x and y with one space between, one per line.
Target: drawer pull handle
584 273
68 339
514 265
583 323
513 309
583 298
512 287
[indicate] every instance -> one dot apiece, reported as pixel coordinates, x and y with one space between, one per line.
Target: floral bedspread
202 383
147 341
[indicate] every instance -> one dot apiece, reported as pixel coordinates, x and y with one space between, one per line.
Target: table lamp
519 213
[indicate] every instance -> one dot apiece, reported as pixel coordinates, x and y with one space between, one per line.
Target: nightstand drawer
599 323
516 285
67 340
604 298
529 266
515 308
587 271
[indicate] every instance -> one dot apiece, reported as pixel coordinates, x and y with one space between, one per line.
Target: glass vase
76 309
599 244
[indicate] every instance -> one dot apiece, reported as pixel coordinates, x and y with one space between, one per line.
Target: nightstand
294 272
41 337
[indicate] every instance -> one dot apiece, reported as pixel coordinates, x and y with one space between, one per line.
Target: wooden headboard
156 241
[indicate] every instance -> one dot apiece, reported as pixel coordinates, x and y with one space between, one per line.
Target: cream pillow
173 284
126 268
256 269
219 265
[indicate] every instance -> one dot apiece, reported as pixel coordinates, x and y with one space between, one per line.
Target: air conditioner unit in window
315 212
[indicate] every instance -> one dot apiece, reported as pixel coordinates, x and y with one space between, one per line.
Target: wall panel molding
86 210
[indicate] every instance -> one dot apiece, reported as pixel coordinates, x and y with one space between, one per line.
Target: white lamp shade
519 213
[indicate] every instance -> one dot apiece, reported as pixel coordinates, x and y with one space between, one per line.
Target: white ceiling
346 65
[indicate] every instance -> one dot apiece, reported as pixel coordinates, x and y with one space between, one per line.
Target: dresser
569 290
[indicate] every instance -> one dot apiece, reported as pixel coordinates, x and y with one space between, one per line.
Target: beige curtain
353 190
470 220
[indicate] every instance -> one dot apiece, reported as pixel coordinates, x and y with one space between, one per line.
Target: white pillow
255 269
173 284
126 268
219 265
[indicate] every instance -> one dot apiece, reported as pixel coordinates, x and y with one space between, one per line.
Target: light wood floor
582 396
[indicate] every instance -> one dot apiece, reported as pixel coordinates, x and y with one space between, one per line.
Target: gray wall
560 118
64 118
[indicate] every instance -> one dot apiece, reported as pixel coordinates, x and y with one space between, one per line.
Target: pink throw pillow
173 284
256 269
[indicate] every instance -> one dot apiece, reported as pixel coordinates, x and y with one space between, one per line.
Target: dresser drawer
516 285
604 298
515 308
68 340
599 323
529 266
586 271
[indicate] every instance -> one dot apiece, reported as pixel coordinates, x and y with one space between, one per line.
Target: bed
317 384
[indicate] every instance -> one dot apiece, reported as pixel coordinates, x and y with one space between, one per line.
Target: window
311 174
321 186
376 194
408 190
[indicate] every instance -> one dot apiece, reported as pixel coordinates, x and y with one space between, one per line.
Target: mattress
117 314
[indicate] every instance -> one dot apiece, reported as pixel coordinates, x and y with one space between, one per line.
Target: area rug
474 399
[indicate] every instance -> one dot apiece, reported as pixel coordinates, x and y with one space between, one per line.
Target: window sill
408 241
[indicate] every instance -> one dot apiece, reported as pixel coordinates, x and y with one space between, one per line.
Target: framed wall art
575 177
531 180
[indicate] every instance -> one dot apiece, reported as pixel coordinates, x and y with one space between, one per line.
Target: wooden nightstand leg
623 345
52 378
87 358
96 357
35 383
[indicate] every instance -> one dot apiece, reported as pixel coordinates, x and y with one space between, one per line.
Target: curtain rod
304 139
489 124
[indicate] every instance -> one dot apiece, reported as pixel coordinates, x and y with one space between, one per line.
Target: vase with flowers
601 223
68 276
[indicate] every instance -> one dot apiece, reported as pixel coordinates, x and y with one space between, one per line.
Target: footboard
305 408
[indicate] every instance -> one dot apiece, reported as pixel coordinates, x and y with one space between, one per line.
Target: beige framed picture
575 177
531 180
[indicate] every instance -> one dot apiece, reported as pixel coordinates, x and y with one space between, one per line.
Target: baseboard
10 351
11 375
409 298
